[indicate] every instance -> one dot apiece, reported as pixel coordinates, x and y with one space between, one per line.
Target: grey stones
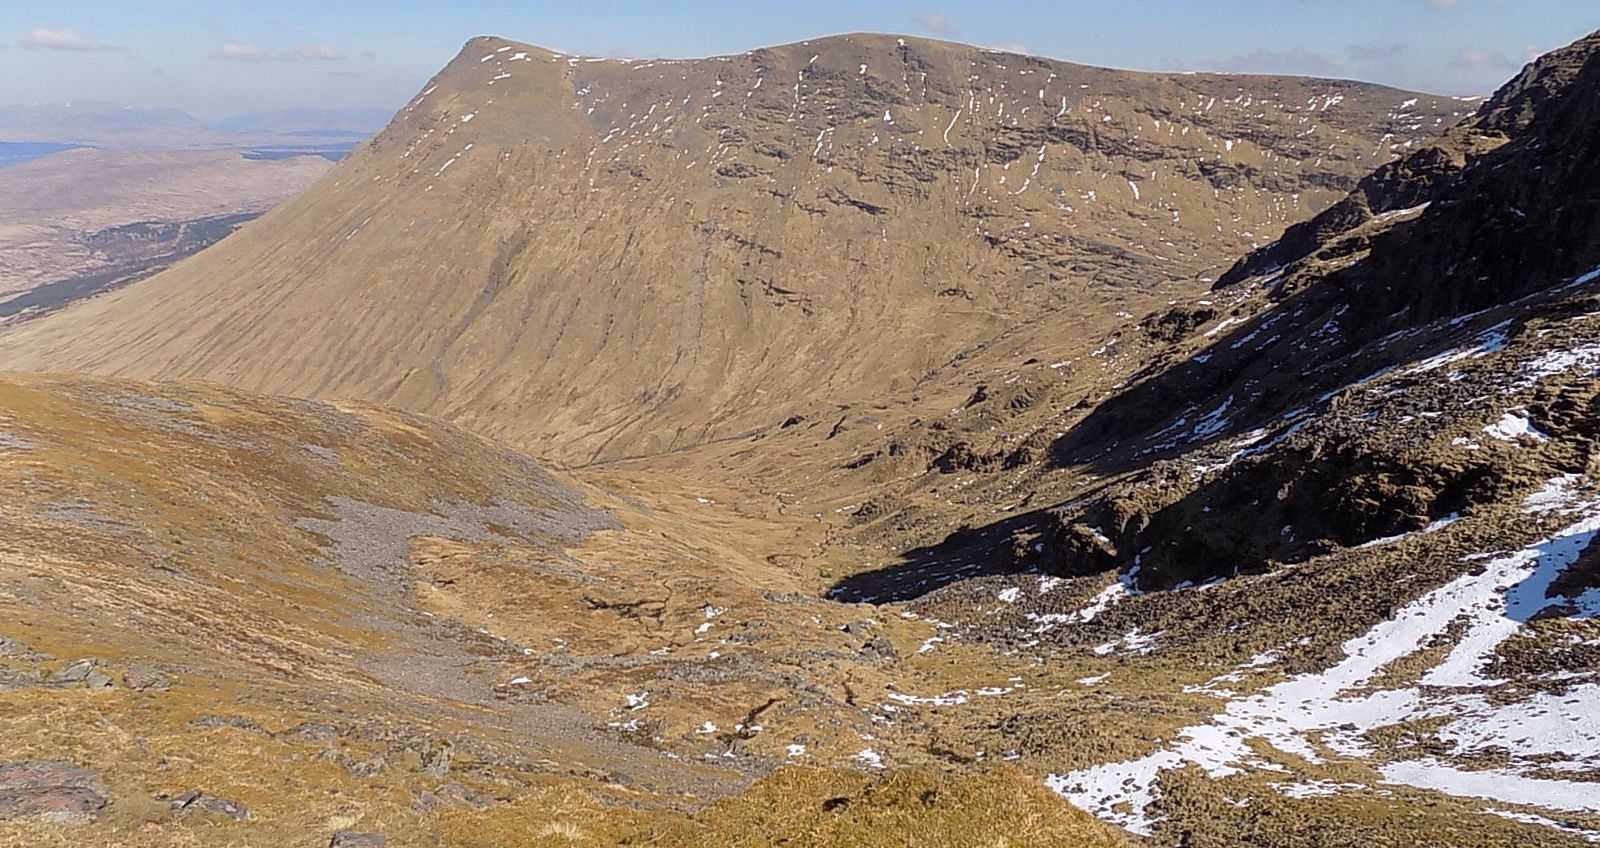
14 676
216 722
196 801
75 672
143 678
359 768
12 679
351 839
436 759
98 680
55 791
449 795
879 649
312 733
17 649
85 673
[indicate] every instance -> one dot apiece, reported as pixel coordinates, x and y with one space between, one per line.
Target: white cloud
58 39
1471 58
318 54
1359 53
251 53
1294 61
242 53
935 23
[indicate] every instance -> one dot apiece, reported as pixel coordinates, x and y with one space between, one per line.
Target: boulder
53 791
142 678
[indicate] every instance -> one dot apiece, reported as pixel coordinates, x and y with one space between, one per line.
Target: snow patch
1337 708
1515 425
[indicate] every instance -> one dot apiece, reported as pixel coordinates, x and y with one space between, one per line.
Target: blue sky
216 59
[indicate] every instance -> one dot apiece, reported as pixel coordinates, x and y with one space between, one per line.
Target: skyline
218 62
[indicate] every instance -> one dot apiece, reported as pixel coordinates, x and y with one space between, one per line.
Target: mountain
1437 167
1324 535
598 259
359 123
118 126
1298 554
96 123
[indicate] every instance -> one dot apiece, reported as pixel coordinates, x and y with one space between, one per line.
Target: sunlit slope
609 258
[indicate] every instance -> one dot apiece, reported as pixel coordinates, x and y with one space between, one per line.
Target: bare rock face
52 791
1581 576
1476 171
1383 279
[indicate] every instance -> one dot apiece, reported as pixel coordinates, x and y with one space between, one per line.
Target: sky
217 59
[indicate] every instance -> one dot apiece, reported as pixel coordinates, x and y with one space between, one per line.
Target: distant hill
359 123
115 125
100 123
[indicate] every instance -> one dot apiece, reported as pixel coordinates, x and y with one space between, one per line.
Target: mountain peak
712 223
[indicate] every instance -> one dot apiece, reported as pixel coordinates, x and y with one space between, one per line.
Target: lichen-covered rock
55 791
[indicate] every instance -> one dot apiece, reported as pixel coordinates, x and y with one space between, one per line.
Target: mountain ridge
969 195
912 38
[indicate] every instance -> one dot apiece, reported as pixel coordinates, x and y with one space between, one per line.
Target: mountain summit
597 258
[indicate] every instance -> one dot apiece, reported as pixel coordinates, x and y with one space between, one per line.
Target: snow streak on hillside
1330 714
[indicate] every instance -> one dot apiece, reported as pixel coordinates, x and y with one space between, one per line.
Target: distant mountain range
116 125
302 122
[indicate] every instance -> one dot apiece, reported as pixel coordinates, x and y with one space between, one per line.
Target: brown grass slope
602 258
357 617
1270 469
1040 415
